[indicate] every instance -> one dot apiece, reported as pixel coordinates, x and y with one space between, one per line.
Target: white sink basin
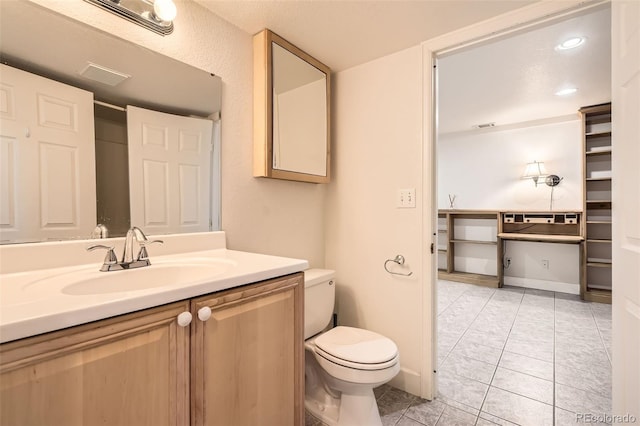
87 281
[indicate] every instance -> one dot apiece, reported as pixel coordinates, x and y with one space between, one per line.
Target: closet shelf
590 240
598 222
590 179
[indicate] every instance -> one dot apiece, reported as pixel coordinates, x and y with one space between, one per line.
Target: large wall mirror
291 112
95 129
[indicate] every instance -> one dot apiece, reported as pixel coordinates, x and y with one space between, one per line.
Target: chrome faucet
128 261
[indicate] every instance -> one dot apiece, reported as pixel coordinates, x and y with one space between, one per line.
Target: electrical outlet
545 264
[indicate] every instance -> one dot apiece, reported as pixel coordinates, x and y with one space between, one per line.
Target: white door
169 171
47 159
626 201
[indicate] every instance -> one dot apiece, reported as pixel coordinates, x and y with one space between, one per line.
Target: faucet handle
100 231
109 259
143 254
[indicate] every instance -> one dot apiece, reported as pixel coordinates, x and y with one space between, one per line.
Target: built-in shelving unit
596 278
468 247
471 242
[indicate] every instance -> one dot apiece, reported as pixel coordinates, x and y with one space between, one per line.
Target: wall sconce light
156 16
535 171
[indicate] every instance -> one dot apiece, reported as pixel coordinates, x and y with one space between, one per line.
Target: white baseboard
543 285
407 380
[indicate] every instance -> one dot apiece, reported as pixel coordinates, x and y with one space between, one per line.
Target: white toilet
343 364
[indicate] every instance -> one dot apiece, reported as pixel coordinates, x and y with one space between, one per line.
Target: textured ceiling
507 81
343 34
515 79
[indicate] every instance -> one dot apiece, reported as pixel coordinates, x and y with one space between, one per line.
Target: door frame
497 27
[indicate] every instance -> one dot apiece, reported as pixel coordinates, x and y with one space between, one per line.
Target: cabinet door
248 357
127 370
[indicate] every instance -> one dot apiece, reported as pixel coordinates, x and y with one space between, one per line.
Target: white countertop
27 307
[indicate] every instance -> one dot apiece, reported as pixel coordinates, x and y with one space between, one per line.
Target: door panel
626 196
48 149
169 171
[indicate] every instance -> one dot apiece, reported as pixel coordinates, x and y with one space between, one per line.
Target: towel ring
399 259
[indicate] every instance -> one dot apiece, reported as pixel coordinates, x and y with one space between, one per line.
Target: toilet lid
357 345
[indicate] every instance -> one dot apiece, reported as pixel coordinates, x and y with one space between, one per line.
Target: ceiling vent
103 75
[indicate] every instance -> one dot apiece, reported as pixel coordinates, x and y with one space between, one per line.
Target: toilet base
347 410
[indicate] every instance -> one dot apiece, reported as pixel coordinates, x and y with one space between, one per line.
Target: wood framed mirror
291 124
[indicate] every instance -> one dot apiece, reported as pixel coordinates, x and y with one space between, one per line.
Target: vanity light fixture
567 91
535 171
154 15
571 43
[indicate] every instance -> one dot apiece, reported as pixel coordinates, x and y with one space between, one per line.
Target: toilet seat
357 348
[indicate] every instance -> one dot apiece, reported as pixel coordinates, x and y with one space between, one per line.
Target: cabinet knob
204 313
184 319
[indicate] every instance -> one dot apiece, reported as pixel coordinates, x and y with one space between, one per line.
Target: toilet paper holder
399 259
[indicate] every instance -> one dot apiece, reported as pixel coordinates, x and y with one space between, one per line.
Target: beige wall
259 215
377 150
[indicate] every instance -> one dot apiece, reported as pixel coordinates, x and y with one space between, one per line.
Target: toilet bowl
343 364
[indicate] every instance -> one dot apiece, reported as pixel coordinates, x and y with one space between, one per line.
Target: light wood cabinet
244 365
596 278
249 356
127 370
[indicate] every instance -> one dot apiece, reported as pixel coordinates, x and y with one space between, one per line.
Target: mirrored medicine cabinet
291 120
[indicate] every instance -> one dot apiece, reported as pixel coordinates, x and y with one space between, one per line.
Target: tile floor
511 356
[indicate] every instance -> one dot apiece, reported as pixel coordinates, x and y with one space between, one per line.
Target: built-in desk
566 239
482 235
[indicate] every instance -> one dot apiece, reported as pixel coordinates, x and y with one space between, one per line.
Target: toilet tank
319 298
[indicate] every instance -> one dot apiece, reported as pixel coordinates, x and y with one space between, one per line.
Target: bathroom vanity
231 353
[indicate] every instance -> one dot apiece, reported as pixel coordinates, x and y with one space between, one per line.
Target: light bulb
165 10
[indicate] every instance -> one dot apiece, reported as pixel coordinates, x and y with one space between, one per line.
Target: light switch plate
406 198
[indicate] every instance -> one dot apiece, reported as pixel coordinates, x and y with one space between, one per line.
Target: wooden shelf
467 277
599 265
474 242
598 152
473 228
598 134
596 130
541 238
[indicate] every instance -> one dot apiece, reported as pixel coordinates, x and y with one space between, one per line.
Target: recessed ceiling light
568 91
571 43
